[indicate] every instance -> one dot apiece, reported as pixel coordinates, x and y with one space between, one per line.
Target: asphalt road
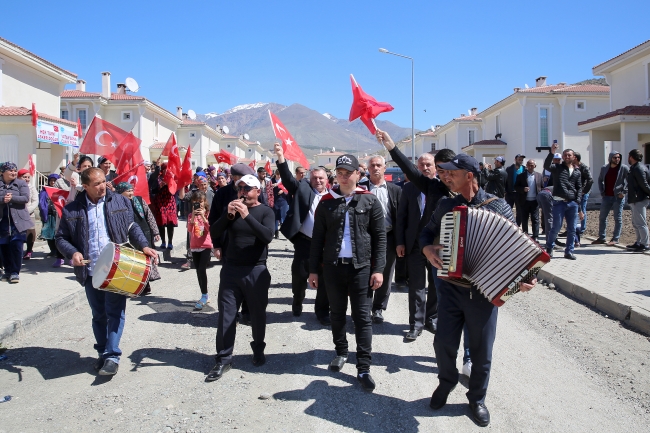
558 366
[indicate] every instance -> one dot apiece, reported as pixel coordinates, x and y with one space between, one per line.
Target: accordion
483 248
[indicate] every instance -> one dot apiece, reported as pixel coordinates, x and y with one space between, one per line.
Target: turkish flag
252 164
80 132
291 149
365 106
173 171
282 187
137 176
267 167
186 169
127 154
225 157
30 165
102 138
34 115
58 197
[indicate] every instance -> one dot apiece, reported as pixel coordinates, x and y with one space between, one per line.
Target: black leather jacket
637 184
496 184
367 233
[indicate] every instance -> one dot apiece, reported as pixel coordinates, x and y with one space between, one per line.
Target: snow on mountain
329 116
246 107
211 115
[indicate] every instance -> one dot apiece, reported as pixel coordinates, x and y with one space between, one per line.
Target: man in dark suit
511 194
297 227
389 196
527 186
496 178
401 272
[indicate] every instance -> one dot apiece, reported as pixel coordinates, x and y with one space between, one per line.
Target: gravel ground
627 234
558 366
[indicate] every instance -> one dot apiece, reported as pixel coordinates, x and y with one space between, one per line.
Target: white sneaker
467 368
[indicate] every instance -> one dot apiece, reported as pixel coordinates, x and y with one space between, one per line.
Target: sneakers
58 263
202 302
633 246
187 265
638 249
4 277
28 255
467 368
16 279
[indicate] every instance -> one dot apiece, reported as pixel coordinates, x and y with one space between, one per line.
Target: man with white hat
248 225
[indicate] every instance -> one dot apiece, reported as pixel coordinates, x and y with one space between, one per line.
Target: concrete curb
18 328
611 304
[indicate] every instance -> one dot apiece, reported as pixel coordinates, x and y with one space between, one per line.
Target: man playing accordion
459 304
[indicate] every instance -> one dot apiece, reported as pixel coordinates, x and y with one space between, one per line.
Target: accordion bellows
487 250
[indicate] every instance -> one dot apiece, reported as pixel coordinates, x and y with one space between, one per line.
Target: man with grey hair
389 196
298 227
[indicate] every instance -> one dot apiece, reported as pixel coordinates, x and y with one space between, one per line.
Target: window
250 150
81 115
127 116
433 147
192 134
471 138
581 105
329 159
497 125
65 115
228 146
543 127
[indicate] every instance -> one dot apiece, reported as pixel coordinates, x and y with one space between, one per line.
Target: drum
123 270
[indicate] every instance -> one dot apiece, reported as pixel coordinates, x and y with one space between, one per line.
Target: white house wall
22 85
629 84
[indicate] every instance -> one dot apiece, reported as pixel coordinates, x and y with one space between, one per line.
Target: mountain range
312 130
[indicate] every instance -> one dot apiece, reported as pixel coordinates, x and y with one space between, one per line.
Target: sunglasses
245 188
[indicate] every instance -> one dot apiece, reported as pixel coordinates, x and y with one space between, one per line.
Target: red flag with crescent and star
267 167
102 138
291 149
186 169
34 115
137 176
80 132
30 165
173 171
225 157
366 107
127 155
58 197
252 164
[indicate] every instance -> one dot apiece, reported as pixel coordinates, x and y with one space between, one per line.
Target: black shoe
259 360
277 234
99 363
598 242
325 320
297 310
640 249
569 256
549 251
338 363
439 398
633 246
245 319
110 368
431 326
560 243
562 235
413 335
377 316
366 381
480 414
217 371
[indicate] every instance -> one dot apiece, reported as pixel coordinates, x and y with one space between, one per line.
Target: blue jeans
609 203
108 320
280 214
561 210
583 208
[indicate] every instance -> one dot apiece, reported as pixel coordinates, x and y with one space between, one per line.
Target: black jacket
522 182
367 232
586 178
482 177
409 223
302 196
220 202
394 196
496 184
565 185
637 183
510 178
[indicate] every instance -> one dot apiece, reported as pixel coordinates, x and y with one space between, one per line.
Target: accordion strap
491 199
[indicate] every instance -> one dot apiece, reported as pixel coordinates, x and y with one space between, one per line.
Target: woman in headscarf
163 205
50 218
143 217
32 205
15 220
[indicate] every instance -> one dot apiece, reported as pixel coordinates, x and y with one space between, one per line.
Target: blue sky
213 55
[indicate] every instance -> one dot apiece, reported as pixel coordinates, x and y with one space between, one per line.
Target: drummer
95 218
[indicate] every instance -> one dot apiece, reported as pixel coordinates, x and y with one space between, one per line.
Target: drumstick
85 262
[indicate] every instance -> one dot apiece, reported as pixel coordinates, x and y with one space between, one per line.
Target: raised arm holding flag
289 146
366 107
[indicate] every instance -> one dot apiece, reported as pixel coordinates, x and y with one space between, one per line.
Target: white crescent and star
99 135
288 142
279 128
134 177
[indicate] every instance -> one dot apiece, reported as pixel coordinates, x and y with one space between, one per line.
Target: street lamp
385 51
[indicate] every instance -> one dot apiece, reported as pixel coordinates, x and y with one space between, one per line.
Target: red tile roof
22 111
630 110
557 88
38 57
622 54
229 136
488 143
78 94
472 117
158 145
192 122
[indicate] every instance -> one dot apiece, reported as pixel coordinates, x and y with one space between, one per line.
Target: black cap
240 169
461 162
519 155
348 162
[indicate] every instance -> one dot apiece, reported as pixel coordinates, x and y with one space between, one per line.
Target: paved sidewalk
610 279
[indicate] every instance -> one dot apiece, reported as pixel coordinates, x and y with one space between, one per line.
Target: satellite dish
433 128
246 136
469 112
258 143
526 85
132 85
191 114
225 129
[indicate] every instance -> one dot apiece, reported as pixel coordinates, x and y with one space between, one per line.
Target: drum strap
491 199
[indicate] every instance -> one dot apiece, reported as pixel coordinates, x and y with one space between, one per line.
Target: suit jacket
300 197
409 223
496 182
394 195
522 182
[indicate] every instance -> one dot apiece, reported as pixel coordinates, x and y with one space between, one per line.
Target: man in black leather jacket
638 197
496 177
349 241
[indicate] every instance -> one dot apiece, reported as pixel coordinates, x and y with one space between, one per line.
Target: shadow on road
51 363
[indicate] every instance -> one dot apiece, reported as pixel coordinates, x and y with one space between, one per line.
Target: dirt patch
627 234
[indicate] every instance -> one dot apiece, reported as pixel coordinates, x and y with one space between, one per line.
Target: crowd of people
349 228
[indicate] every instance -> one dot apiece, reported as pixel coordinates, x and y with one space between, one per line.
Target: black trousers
401 270
237 283
51 243
530 209
422 307
343 281
381 295
459 307
201 260
299 275
511 199
12 254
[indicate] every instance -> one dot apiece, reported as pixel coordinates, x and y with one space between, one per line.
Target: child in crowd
200 242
